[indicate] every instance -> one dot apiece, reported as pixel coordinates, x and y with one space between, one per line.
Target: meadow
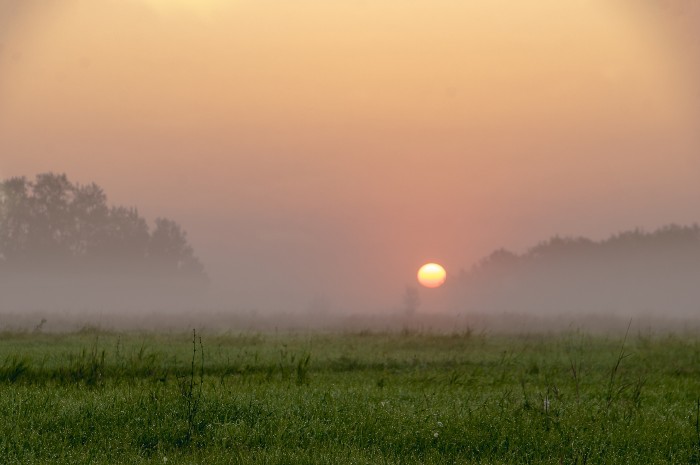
349 398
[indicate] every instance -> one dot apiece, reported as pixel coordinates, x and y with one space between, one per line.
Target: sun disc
432 275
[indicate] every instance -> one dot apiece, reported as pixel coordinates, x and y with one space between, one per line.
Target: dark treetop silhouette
62 244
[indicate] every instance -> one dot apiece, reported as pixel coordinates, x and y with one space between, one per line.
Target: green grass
361 398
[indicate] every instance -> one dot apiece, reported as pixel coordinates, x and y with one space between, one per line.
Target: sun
432 275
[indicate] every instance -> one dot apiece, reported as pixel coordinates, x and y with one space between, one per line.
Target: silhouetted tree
630 271
168 249
89 215
126 235
15 219
411 300
52 222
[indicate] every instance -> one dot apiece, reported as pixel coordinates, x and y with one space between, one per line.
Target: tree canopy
630 272
53 227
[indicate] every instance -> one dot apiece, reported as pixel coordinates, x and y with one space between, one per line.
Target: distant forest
63 241
634 272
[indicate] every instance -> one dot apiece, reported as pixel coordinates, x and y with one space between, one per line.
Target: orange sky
331 147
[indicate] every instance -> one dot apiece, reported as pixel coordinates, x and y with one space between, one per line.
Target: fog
313 155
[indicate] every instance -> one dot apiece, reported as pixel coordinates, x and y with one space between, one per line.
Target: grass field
357 398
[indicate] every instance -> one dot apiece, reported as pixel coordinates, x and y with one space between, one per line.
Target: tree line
656 272
52 228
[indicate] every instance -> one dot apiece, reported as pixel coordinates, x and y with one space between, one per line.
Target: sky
329 148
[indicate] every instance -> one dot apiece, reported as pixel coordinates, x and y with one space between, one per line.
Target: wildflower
436 435
165 459
439 424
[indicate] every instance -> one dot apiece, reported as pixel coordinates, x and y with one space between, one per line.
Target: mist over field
69 257
293 164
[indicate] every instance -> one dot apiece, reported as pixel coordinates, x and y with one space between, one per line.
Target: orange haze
328 148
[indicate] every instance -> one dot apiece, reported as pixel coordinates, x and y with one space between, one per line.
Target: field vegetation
349 398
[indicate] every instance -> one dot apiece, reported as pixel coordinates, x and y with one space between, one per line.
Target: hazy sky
330 147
